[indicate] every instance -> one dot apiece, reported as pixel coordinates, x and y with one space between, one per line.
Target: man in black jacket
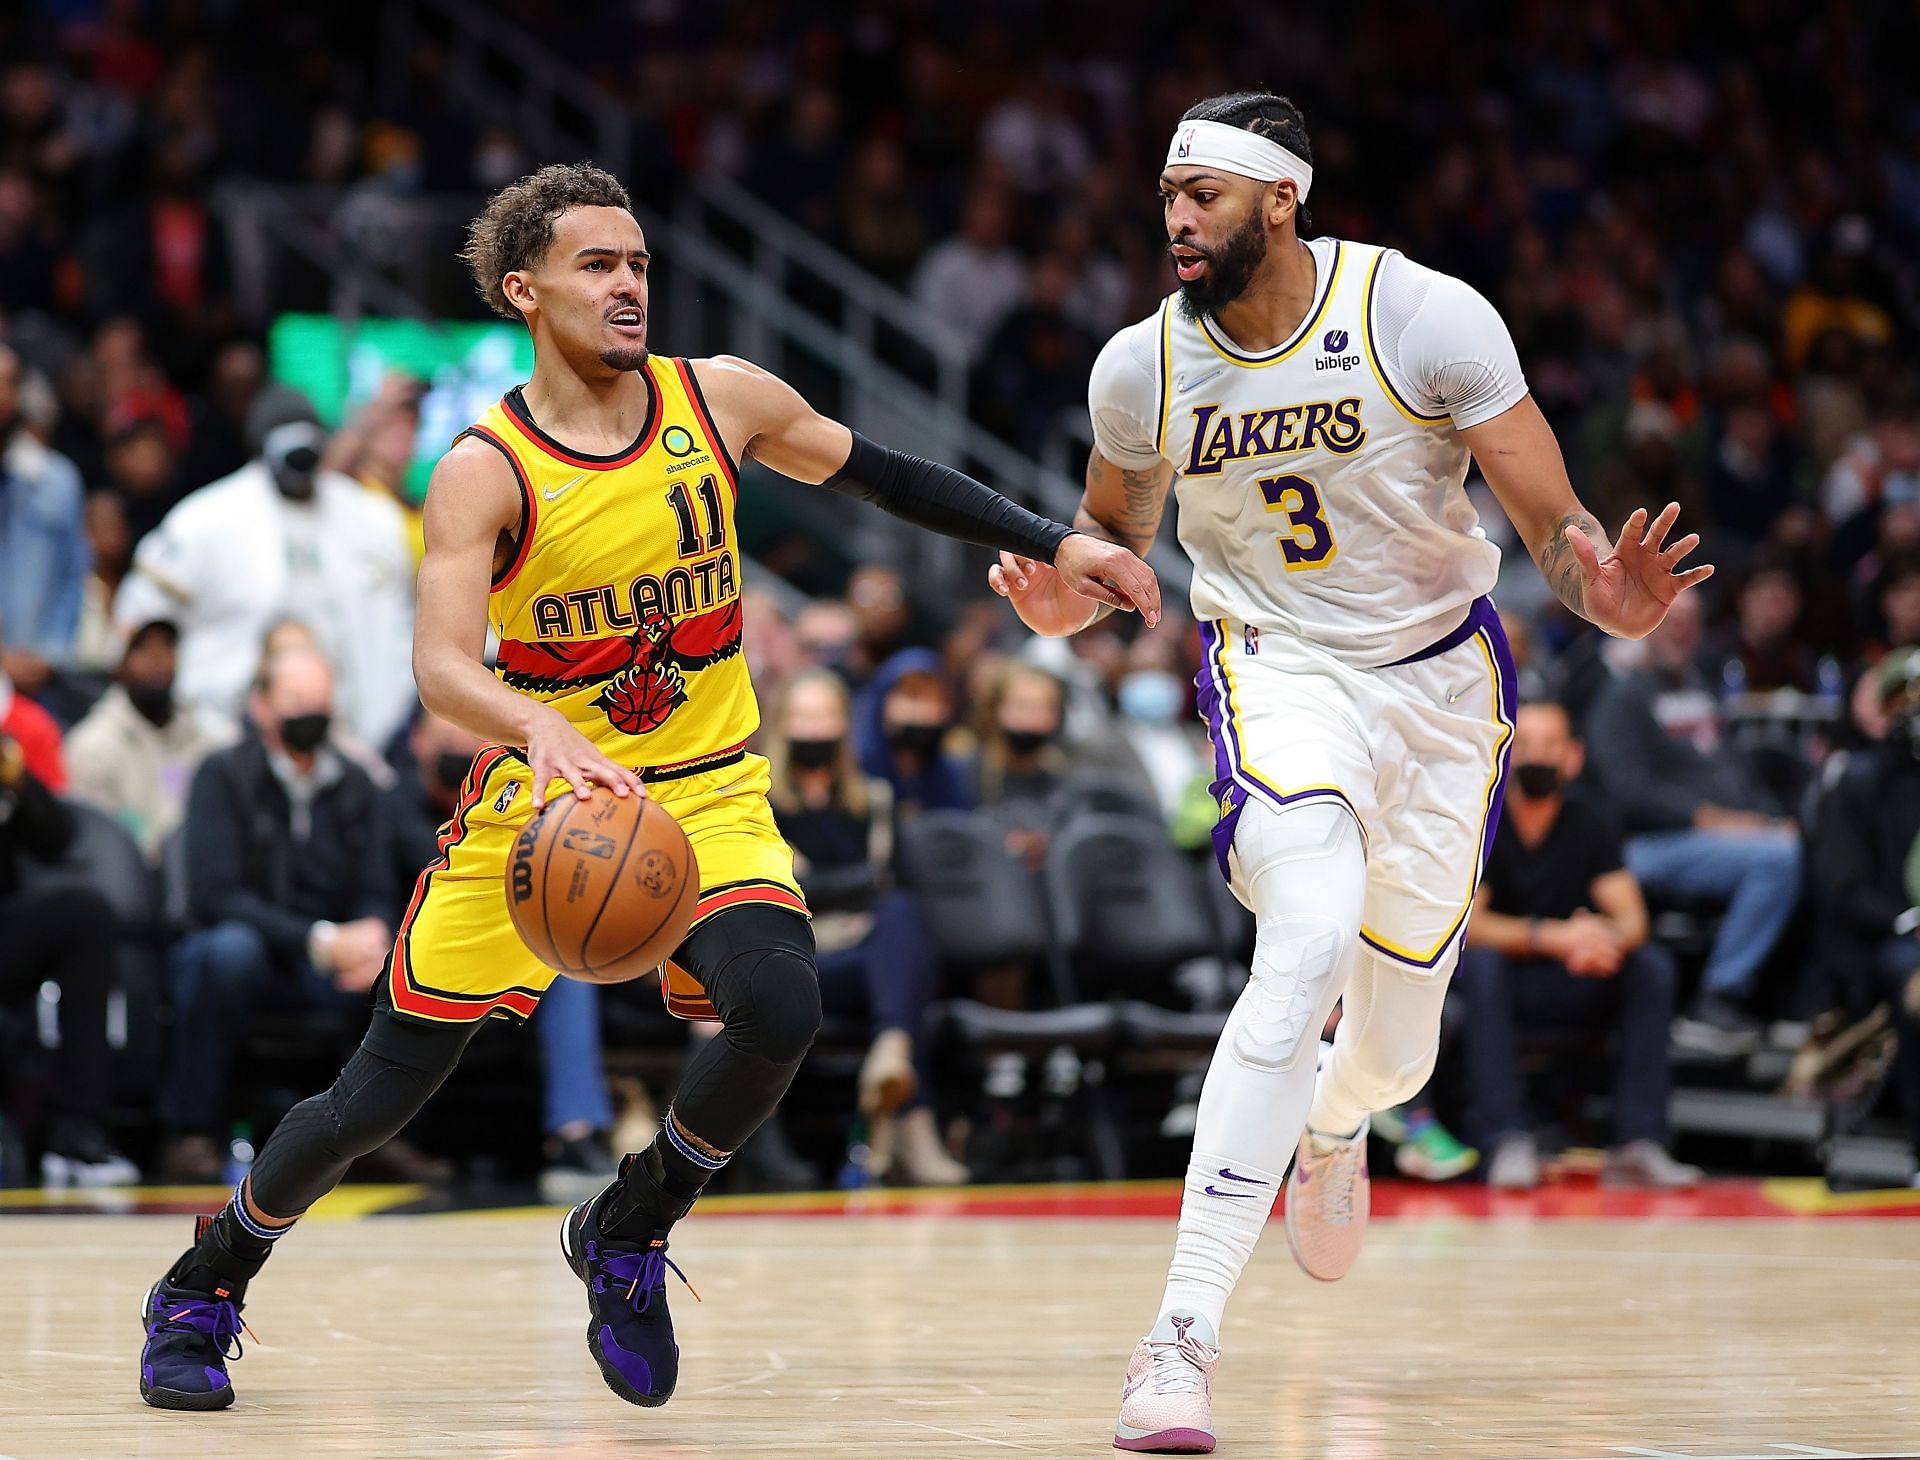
1699 823
281 836
62 933
1865 872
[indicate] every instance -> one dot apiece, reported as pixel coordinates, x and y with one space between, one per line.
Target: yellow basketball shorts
457 958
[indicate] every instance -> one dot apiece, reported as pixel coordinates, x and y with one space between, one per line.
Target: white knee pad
1303 872
1285 1001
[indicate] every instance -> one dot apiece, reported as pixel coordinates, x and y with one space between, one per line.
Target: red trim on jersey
409 997
515 406
529 499
706 424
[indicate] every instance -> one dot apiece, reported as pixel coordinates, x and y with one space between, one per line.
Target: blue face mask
1152 696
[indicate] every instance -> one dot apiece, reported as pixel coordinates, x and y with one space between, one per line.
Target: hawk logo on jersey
642 675
1219 439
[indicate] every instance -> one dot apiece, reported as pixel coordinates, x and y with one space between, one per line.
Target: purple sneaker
629 1330
190 1337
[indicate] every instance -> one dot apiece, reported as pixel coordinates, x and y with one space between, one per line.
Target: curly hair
515 229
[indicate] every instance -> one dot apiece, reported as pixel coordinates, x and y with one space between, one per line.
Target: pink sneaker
1328 1197
1166 1407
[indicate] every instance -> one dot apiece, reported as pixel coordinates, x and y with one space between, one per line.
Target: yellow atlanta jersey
621 606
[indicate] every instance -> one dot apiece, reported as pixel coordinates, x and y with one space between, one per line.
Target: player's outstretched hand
1060 599
557 751
1627 592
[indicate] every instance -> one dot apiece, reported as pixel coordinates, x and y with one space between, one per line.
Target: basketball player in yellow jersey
589 520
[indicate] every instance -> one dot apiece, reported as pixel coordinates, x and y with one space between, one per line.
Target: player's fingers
1694 575
1677 550
1657 532
1583 549
542 772
997 580
582 778
623 781
1103 592
1143 587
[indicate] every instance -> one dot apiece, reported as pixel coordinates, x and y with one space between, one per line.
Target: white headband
1215 144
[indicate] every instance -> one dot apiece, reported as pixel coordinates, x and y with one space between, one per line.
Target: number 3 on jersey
1308 541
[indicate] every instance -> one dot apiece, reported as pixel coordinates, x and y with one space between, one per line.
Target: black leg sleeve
391 1075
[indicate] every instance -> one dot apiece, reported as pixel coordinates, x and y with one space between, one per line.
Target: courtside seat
1126 907
982 908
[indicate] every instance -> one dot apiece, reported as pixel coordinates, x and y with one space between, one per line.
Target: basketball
602 889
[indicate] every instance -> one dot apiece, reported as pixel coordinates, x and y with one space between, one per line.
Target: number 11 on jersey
1308 541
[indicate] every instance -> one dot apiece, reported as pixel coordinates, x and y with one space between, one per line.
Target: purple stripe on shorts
1509 682
1480 615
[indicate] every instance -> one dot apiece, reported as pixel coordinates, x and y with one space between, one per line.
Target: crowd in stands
1702 239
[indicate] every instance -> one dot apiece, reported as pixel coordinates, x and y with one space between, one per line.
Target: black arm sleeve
937 497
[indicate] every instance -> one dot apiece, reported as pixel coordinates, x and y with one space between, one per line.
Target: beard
1230 268
624 357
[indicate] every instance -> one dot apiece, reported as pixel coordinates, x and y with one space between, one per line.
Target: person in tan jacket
135 753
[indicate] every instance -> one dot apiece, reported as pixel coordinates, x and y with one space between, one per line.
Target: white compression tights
1303 871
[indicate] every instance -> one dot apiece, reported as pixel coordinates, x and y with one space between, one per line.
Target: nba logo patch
505 798
1185 146
1251 639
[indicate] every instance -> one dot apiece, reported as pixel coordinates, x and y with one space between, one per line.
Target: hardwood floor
938 1335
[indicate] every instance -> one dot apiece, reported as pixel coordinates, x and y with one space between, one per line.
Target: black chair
106 858
984 910
1105 795
1233 921
1126 908
981 906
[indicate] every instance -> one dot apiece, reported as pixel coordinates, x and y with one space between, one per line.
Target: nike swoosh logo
1127 1393
551 492
1185 383
1454 695
1212 1192
1235 1176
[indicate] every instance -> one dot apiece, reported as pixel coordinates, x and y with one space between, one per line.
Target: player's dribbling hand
557 751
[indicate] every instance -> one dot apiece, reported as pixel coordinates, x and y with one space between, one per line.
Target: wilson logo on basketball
520 873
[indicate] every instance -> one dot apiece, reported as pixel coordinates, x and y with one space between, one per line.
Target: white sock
1305 871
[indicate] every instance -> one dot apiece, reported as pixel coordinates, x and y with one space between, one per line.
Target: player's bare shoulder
474 493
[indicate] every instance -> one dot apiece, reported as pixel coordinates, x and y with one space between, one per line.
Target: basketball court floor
1749 1320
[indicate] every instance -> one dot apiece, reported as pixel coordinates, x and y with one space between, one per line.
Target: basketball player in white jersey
1317 403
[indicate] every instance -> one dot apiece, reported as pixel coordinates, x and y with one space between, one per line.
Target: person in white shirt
135 752
283 537
974 280
1319 403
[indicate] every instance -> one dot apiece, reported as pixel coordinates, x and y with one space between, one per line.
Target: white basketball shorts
1417 750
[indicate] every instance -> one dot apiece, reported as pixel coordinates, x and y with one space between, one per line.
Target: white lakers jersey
1320 484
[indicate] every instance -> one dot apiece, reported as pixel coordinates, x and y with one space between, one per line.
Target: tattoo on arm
1561 568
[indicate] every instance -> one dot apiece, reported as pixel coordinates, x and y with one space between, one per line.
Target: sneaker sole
615 1381
1163 1442
161 1397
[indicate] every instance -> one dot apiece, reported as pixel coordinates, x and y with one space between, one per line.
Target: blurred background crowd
216 786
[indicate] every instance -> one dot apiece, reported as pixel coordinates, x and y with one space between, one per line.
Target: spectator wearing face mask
904 717
576 1106
135 753
1558 940
281 833
283 537
875 958
1019 767
1156 722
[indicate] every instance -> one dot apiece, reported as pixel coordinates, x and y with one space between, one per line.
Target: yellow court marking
1809 1196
